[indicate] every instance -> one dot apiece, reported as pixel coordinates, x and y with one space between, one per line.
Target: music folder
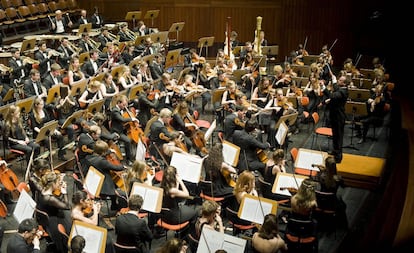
231 153
140 40
359 95
356 108
151 195
212 240
160 37
96 106
28 45
134 91
53 93
78 87
254 209
307 157
188 166
95 236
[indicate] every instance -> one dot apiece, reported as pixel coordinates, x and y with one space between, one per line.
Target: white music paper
212 240
152 196
95 237
25 207
283 181
93 181
254 209
188 166
231 153
307 157
281 133
210 130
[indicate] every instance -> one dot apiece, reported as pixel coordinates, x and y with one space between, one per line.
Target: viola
88 210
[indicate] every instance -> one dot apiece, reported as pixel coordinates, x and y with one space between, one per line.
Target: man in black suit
157 67
159 133
118 121
130 229
53 77
33 86
26 240
91 67
249 145
96 19
84 44
145 105
337 97
59 23
233 122
86 142
45 58
20 67
104 37
83 19
67 53
98 161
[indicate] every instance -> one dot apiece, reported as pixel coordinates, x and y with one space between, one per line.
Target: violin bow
29 165
333 44
306 42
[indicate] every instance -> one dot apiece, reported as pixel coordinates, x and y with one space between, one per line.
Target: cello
134 131
197 136
9 179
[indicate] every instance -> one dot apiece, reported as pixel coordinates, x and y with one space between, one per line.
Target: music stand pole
351 144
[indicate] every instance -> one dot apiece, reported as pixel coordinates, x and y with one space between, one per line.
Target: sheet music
188 167
307 157
25 207
230 153
255 210
94 238
152 197
281 133
141 150
212 240
93 181
286 180
210 130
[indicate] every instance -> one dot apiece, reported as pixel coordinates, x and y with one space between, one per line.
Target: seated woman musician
245 184
37 118
54 201
90 95
108 89
210 218
181 121
75 73
221 175
104 165
16 135
304 201
138 173
85 209
40 168
276 163
174 191
176 144
267 239
126 79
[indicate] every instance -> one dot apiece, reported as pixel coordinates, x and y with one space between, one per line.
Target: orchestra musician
123 33
159 133
126 79
111 58
84 43
248 48
145 105
75 73
33 86
234 121
132 230
245 184
299 53
118 122
142 29
59 24
44 56
304 201
83 19
157 67
249 144
54 77
129 55
91 94
37 118
65 107
40 168
91 67
20 67
267 239
104 37
86 143
27 238
96 19
210 218
276 163
67 52
108 89
54 201
85 209
99 161
136 173
181 123
144 73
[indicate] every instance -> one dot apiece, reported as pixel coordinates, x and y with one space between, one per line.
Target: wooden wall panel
286 22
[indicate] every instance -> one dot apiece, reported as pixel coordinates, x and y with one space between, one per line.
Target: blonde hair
244 183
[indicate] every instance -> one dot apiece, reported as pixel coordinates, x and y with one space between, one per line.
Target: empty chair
319 131
301 236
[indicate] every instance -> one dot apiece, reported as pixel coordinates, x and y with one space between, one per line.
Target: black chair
119 248
326 211
301 236
238 225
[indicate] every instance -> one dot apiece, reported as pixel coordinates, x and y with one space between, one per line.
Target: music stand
362 83
205 42
28 45
3 111
270 50
25 104
290 119
367 73
114 98
134 91
148 58
84 57
98 77
72 118
84 28
78 87
359 95
151 14
354 108
134 63
171 59
309 59
160 37
238 73
96 106
259 62
116 71
47 130
302 71
140 40
133 15
236 50
53 93
9 95
300 81
176 27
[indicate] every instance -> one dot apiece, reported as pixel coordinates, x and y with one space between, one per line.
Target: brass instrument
5 69
257 45
29 60
113 37
55 53
94 44
74 48
130 34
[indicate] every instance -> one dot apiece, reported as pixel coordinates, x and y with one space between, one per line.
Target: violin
197 136
292 190
88 210
57 192
115 175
